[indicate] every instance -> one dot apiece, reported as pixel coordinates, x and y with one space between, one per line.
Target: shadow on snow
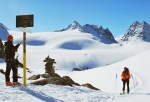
38 95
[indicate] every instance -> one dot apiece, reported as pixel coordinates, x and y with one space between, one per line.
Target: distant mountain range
137 31
104 35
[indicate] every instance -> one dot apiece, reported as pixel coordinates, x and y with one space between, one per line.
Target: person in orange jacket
125 78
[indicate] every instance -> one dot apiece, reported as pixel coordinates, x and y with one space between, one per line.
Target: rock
49 68
40 82
90 86
69 81
76 69
51 80
48 75
55 80
48 59
34 77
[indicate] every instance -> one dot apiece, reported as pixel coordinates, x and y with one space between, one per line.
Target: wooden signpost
24 21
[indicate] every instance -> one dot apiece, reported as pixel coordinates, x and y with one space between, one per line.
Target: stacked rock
49 68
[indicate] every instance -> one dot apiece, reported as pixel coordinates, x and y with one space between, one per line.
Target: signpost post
24 21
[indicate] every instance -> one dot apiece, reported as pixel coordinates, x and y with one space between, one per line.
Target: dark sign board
24 21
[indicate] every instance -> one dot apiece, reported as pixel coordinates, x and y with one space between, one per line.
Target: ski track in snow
48 92
23 94
51 93
56 93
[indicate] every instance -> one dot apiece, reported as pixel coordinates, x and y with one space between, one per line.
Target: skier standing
10 50
125 78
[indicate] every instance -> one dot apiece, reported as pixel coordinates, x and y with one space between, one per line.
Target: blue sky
51 15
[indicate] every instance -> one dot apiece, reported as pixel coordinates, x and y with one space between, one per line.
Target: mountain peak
145 23
75 25
137 31
135 24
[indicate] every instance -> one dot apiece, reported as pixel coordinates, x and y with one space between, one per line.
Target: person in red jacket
10 50
125 78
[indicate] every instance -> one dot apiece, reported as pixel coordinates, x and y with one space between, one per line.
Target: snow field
75 49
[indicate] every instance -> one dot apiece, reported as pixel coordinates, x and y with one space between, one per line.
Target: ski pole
116 83
133 82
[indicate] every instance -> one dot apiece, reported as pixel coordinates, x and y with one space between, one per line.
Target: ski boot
8 83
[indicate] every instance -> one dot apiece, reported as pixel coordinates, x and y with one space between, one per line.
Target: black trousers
124 83
11 65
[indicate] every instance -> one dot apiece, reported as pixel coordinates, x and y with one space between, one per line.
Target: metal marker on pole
24 21
24 58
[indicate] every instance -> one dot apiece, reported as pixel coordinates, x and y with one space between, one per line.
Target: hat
9 37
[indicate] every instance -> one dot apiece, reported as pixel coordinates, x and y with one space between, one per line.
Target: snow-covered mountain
99 33
3 32
103 34
137 31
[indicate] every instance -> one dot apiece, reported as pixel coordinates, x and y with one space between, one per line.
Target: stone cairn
50 77
49 68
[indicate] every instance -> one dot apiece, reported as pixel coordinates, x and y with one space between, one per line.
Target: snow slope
102 77
77 49
139 65
74 49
